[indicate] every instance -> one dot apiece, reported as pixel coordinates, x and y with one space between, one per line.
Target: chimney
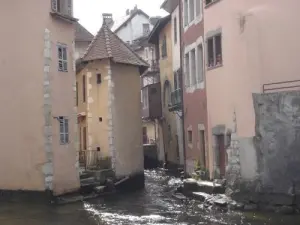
108 19
127 12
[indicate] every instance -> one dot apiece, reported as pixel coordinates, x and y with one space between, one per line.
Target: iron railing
93 159
283 85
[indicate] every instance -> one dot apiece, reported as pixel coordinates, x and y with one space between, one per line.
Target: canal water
152 206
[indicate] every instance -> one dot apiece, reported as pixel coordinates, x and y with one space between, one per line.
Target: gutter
182 87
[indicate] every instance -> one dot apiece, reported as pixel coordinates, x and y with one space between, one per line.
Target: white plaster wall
248 158
134 28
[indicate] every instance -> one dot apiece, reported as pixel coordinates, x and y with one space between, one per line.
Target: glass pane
210 52
59 53
192 8
62 138
65 66
66 126
200 63
218 46
193 62
66 138
60 65
64 53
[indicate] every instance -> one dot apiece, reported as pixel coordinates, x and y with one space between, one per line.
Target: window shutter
54 5
70 7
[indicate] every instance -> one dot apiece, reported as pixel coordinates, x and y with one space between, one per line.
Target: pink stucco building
251 47
38 115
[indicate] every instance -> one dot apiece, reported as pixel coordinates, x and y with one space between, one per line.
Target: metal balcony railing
176 100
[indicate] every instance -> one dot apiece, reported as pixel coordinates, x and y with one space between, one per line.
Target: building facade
161 37
173 7
194 94
244 57
39 97
109 104
133 25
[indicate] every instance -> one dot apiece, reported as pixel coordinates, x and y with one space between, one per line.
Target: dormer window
63 7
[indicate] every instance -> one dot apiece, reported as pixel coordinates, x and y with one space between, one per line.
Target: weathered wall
34 92
278 142
169 126
127 120
96 106
267 167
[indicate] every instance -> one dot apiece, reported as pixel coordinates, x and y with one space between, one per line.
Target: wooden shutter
54 5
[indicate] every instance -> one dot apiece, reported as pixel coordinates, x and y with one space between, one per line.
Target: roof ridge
130 49
107 40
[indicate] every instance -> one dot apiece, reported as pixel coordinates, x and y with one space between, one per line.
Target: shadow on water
154 206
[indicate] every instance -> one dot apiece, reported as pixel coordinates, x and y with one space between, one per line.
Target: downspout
182 86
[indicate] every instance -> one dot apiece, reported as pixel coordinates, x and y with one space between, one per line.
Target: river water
152 206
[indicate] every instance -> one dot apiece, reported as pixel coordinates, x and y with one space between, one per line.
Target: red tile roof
107 44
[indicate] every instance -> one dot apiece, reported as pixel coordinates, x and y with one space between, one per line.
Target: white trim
191 88
197 19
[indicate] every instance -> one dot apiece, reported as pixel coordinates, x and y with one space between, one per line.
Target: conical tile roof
107 44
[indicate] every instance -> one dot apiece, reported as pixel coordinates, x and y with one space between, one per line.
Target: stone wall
265 169
277 143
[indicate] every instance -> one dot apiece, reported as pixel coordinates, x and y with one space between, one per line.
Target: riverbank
154 205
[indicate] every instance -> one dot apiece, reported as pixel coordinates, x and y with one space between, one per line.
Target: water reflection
154 205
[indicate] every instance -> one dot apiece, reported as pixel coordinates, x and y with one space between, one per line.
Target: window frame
215 63
190 137
63 7
63 58
164 51
83 88
197 13
64 130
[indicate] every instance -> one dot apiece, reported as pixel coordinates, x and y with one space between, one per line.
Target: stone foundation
134 183
40 197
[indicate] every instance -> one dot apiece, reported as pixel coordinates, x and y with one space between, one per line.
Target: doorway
222 154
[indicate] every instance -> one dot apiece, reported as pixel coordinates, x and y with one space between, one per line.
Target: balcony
176 101
151 102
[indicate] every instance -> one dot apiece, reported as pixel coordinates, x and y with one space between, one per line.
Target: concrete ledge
44 197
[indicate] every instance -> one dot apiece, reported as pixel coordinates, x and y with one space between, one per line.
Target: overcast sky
89 12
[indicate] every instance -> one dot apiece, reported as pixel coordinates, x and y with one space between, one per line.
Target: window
84 138
62 58
198 7
190 137
83 88
64 130
199 64
145 98
146 28
167 93
164 47
186 13
193 67
214 51
99 80
202 147
64 7
175 30
77 93
187 69
191 10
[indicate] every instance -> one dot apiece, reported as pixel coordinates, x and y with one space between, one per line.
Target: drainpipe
182 86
